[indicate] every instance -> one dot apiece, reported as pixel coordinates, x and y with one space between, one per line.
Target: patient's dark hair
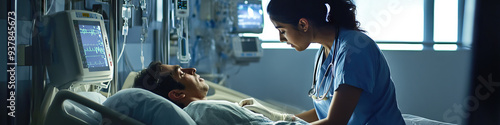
150 79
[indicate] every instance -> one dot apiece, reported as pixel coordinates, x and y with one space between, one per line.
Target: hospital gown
216 112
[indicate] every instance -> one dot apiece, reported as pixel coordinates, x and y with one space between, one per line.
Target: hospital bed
60 112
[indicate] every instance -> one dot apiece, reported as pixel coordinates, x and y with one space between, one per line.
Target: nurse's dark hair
150 79
342 12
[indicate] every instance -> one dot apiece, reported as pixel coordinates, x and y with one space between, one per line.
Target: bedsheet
153 109
417 120
218 112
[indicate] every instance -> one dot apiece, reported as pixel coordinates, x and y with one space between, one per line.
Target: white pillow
83 112
147 107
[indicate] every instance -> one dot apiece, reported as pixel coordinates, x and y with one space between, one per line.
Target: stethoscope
313 91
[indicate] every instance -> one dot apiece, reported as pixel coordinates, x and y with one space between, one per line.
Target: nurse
352 83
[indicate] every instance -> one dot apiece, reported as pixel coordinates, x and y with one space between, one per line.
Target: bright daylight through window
398 21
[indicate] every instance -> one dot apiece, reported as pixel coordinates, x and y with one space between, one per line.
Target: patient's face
195 85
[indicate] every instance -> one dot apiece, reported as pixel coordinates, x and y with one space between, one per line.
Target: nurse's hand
253 105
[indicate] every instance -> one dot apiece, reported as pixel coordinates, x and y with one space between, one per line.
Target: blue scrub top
360 63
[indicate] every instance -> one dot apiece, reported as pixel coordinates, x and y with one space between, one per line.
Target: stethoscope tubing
313 91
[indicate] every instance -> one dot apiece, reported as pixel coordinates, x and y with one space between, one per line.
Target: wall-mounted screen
250 16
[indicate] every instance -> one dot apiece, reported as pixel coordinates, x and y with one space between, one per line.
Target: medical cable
126 14
144 34
142 56
50 7
123 48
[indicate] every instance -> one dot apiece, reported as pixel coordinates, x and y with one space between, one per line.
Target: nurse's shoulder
356 41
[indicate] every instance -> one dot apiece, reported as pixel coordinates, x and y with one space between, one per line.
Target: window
392 20
393 24
159 10
445 20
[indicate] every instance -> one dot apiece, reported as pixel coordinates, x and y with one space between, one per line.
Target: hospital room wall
428 83
132 53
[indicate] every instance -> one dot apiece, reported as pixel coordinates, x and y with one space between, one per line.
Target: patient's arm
309 116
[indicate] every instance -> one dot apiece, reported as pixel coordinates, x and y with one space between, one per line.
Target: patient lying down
186 89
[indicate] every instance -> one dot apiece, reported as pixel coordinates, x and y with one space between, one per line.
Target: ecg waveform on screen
93 46
91 49
96 63
92 32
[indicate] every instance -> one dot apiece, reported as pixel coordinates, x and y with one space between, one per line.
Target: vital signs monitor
79 48
247 49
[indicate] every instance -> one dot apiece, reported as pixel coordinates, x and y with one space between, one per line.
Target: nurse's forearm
308 116
344 101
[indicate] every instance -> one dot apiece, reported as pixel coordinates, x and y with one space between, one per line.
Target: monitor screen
250 17
91 45
249 46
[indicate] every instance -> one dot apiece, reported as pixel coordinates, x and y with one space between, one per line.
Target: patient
179 85
186 89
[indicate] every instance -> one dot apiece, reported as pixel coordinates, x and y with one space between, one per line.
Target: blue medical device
79 48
